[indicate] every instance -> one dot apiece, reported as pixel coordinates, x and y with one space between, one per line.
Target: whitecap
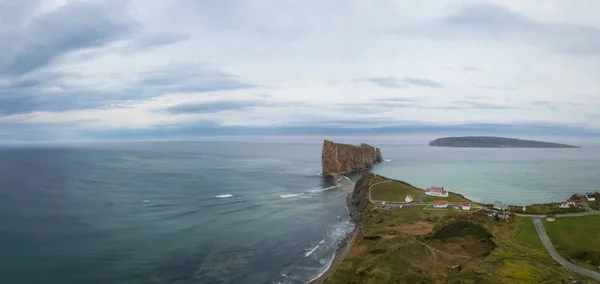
388 160
223 196
331 187
309 252
322 241
147 201
291 195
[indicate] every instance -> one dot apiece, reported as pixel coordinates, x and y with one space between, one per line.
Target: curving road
539 226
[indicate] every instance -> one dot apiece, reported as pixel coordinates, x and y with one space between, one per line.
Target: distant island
494 142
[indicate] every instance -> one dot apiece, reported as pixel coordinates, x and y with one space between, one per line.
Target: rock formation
340 158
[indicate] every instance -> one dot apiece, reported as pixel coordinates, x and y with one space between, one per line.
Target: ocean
225 212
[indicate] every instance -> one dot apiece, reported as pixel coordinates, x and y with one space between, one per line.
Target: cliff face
358 199
343 158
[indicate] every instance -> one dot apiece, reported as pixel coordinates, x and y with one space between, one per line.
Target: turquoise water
208 212
512 175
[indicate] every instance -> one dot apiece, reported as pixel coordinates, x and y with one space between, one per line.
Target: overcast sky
173 69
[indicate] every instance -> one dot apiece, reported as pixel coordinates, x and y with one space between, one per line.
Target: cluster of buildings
500 216
444 204
571 203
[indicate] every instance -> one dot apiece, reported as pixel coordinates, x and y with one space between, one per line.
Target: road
539 226
587 207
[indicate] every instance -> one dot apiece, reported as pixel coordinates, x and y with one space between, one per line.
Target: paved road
561 215
587 207
539 226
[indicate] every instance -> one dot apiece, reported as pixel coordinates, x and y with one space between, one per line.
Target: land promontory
494 142
340 158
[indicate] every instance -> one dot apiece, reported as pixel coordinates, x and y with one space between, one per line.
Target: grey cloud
216 106
469 105
74 26
394 82
496 88
160 39
498 23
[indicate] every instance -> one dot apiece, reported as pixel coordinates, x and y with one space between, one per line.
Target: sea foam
223 196
291 195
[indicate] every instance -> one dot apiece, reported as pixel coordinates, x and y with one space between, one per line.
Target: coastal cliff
358 199
340 158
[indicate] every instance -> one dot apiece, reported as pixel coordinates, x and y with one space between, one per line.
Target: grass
394 191
527 234
452 197
549 208
577 237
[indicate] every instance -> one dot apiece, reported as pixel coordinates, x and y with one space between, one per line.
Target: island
338 158
494 142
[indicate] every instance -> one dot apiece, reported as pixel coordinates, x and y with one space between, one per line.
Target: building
498 205
436 191
564 205
590 196
466 206
457 207
524 208
571 202
440 204
408 198
550 218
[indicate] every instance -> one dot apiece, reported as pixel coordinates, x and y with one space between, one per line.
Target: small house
550 217
457 207
564 205
408 198
466 206
524 208
436 191
590 196
440 204
571 202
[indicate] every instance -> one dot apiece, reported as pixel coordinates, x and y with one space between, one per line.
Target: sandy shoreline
340 254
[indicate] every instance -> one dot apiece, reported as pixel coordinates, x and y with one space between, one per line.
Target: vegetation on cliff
494 142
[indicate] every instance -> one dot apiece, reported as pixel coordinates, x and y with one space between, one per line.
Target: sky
405 70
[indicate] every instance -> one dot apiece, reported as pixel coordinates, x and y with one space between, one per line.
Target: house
550 218
524 208
436 191
457 207
590 196
440 204
571 202
408 198
466 206
498 205
564 205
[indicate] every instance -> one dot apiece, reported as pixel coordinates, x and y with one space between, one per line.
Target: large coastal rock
340 158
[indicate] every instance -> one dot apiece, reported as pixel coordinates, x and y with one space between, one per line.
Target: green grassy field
577 237
394 191
526 233
550 208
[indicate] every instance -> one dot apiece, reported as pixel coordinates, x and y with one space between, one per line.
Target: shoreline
346 243
339 255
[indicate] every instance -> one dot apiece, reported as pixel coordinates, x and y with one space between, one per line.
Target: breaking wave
291 195
223 196
310 251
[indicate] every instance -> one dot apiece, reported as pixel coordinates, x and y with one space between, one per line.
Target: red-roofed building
436 191
408 198
440 204
564 205
466 206
571 202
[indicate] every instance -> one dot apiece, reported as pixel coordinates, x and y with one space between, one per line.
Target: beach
340 254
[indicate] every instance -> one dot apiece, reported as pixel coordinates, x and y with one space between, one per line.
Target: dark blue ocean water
150 213
208 212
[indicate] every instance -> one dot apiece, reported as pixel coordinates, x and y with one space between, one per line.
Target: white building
436 191
408 198
440 204
590 196
466 206
564 205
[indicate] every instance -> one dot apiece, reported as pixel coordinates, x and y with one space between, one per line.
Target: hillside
494 142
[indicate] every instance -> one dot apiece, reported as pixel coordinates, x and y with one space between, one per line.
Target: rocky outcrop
340 158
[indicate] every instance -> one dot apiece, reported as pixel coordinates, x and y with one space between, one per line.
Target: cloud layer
132 69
